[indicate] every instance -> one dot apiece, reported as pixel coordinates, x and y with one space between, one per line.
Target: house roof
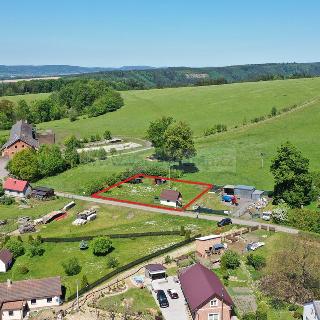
15 305
259 192
228 186
200 285
15 184
156 267
23 131
6 256
316 304
171 195
30 289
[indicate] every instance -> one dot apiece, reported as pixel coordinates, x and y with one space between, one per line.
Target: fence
113 236
131 265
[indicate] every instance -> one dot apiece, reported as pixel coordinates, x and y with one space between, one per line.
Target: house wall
13 149
3 267
309 312
203 245
42 303
203 313
17 315
23 194
168 203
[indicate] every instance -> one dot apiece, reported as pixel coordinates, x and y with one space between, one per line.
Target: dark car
173 294
224 222
162 299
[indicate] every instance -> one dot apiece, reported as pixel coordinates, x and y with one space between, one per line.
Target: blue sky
158 32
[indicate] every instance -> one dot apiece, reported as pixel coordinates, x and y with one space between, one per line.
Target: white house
16 298
6 258
311 310
170 198
17 188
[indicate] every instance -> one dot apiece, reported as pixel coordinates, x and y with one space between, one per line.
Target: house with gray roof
311 310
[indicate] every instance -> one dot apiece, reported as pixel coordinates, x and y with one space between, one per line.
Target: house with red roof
205 294
16 188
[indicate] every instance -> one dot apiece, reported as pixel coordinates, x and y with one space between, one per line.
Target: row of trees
76 98
173 141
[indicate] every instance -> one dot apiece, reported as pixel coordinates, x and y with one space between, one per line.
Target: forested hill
181 76
29 71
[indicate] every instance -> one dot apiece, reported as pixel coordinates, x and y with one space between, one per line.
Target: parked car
162 299
266 215
252 246
173 294
224 222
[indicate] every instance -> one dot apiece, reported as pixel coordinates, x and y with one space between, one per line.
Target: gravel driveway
3 171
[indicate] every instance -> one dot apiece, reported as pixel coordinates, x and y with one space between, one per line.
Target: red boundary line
98 195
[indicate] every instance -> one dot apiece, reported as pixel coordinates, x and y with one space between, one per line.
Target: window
33 301
15 147
49 300
214 303
10 313
213 316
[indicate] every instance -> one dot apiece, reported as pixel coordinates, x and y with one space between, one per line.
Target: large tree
178 142
50 160
24 165
292 272
293 182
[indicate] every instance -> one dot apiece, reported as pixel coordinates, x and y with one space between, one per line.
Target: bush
249 316
293 307
112 262
35 250
16 247
167 259
230 260
71 266
256 261
101 246
23 270
7 201
84 281
297 315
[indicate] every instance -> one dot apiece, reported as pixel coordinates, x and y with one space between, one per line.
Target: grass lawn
28 97
124 220
146 191
141 301
125 250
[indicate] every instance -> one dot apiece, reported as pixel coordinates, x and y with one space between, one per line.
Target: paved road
179 213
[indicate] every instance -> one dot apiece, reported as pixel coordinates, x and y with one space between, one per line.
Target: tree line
74 99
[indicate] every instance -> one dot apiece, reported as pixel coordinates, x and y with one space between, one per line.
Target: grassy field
202 107
146 191
28 97
232 157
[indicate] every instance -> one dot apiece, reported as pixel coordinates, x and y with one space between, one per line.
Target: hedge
131 265
113 236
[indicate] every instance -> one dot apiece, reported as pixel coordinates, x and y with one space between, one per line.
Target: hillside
182 76
231 157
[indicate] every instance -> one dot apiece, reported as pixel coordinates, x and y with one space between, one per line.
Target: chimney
9 283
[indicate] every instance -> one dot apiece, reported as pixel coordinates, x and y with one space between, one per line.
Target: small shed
155 271
228 189
42 192
159 181
52 216
6 258
171 198
243 191
257 195
204 245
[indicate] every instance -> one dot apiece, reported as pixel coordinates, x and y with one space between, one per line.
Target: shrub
230 260
256 261
297 315
7 201
112 262
35 250
293 307
167 260
84 281
71 266
16 247
23 270
101 246
182 231
107 135
249 316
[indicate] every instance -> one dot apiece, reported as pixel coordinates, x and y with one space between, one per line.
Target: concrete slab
177 309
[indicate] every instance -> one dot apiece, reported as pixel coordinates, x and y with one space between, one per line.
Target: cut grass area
146 191
27 97
140 300
111 220
50 264
202 107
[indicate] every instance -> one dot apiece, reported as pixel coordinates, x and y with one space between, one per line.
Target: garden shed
228 189
170 198
155 271
257 195
243 191
42 192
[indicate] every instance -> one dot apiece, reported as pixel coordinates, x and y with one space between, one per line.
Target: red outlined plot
207 187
